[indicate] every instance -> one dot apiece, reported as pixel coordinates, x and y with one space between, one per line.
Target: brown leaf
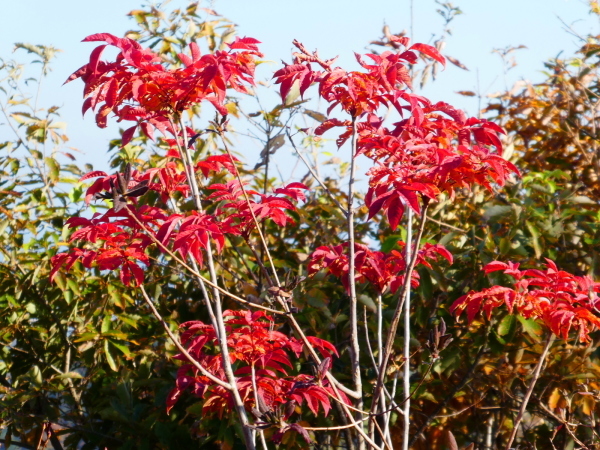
319 117
456 62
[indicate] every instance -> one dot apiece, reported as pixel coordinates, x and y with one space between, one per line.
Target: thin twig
256 222
354 345
197 274
315 176
534 378
397 313
452 227
407 394
456 388
180 347
566 424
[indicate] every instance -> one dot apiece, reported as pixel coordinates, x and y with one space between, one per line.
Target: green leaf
130 319
72 375
368 302
391 243
531 327
195 410
60 281
425 288
496 212
504 245
106 324
89 336
109 356
36 376
68 296
53 169
115 334
535 235
73 286
508 326
123 348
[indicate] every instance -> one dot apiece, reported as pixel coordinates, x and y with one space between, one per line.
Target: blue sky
334 27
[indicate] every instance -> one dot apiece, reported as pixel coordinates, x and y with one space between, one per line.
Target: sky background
331 26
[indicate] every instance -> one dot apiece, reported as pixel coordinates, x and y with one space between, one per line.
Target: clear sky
334 27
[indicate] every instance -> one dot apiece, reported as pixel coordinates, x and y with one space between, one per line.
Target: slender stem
180 347
191 270
261 433
316 176
258 227
263 224
255 391
385 431
220 330
388 414
534 378
386 418
406 435
456 388
354 345
209 308
397 313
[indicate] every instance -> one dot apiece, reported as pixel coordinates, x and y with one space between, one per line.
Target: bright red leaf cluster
123 241
435 149
117 244
138 87
562 301
254 346
239 211
357 93
383 271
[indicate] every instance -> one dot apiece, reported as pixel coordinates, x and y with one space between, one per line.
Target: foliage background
86 357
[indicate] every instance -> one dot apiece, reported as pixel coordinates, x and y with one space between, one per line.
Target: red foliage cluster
356 92
186 234
427 153
383 271
433 149
254 347
562 301
436 150
137 87
240 211
121 243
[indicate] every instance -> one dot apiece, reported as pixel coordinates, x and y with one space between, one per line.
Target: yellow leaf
587 404
556 400
488 368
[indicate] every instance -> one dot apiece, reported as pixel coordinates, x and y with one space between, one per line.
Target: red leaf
128 135
395 211
326 348
94 174
429 51
148 130
195 51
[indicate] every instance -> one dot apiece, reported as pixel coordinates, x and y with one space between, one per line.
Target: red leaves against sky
138 87
433 149
357 93
562 301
